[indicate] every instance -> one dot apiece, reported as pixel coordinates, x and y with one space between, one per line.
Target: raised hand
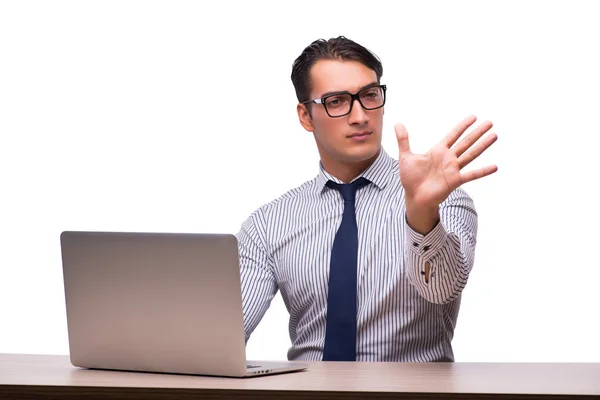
428 179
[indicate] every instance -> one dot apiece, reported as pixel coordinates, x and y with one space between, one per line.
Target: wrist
421 218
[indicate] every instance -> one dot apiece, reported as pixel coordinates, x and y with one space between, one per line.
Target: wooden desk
43 377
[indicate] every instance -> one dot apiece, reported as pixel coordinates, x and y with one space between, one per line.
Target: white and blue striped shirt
286 245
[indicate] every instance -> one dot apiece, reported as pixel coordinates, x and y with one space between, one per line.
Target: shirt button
415 244
426 248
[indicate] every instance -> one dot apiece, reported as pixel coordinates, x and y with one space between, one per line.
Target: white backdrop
180 117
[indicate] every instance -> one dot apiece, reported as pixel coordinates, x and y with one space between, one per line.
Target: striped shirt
286 245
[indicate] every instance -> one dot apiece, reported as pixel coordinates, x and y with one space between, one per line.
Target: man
372 255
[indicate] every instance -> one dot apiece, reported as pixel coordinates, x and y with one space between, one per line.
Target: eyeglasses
340 104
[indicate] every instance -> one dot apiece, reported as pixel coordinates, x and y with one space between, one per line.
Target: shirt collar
379 172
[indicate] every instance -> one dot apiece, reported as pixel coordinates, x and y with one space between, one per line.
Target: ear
304 117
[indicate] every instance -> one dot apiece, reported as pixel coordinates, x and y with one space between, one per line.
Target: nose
358 115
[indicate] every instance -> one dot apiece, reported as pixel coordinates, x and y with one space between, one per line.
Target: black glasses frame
354 96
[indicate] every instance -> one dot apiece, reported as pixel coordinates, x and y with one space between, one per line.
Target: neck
347 171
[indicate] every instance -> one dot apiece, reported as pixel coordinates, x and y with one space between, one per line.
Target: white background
180 117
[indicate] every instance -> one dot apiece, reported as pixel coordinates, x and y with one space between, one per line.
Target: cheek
330 129
377 120
379 115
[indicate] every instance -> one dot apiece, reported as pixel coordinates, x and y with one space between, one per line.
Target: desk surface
37 376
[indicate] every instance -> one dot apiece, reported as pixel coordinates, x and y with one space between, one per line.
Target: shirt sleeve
259 284
448 251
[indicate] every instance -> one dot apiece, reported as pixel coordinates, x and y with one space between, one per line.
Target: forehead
337 75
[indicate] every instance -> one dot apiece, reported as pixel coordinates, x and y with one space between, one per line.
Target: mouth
359 134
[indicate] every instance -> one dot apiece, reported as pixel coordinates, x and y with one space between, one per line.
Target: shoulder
290 201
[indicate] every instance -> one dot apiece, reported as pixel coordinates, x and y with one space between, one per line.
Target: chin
362 153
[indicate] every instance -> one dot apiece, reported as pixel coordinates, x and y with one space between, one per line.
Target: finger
477 174
476 150
471 138
402 136
458 130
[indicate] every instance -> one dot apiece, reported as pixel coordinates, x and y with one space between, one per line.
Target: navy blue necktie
340 333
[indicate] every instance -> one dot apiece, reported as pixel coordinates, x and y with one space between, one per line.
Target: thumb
402 136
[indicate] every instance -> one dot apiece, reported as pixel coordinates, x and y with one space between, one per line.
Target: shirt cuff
428 245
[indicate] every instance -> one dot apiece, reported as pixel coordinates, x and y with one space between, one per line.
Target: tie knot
348 190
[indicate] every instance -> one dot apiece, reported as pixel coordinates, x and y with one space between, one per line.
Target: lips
359 134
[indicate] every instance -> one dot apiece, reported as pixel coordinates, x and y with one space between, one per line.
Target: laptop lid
157 302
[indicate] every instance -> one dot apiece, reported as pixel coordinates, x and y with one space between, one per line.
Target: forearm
438 263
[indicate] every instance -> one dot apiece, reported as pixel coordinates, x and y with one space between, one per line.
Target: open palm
428 179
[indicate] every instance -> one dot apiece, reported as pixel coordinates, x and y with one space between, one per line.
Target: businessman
370 256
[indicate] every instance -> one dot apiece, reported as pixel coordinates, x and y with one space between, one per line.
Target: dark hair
339 48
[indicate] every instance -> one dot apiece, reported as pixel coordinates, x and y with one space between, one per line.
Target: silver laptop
157 302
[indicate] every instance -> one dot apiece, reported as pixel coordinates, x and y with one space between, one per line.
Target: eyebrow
347 92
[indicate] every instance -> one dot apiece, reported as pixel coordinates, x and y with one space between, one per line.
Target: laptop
157 302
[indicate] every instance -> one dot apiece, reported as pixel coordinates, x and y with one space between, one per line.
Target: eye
335 101
371 94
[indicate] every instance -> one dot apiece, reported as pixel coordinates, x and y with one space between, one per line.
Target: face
354 138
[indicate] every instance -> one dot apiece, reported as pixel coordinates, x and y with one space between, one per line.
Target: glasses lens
372 98
338 105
